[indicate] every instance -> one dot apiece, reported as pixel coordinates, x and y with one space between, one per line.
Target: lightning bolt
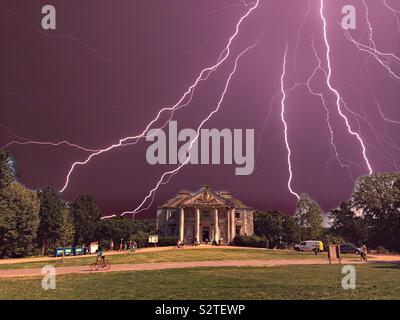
204 74
384 117
169 174
324 104
395 12
41 143
66 37
289 153
339 99
47 143
303 22
385 59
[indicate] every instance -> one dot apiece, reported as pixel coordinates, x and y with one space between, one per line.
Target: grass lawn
292 282
175 255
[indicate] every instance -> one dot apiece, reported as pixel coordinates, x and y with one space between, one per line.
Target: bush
141 241
251 241
167 241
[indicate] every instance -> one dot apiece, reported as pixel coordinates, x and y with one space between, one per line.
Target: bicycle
100 265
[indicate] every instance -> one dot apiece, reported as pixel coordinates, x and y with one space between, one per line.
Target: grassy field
292 282
173 256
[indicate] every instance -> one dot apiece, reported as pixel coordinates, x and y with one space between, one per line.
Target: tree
51 218
7 169
269 224
291 230
19 220
86 216
309 217
67 230
276 226
121 228
377 197
348 224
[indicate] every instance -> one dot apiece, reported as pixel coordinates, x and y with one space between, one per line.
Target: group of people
123 246
131 245
180 243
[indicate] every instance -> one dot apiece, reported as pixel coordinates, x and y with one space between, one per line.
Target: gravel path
12 273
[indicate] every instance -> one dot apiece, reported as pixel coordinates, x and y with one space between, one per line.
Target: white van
309 245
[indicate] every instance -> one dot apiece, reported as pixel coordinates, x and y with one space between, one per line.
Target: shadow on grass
386 265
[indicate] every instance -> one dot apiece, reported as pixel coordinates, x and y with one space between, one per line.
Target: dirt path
111 253
12 273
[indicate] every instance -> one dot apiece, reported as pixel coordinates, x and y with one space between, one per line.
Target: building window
237 231
172 231
204 214
172 215
237 215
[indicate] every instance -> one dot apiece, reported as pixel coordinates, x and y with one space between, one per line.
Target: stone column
197 224
181 224
233 229
167 217
244 221
228 226
216 226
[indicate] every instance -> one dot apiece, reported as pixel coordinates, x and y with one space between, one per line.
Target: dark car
349 248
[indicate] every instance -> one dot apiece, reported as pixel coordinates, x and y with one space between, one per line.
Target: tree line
371 216
36 222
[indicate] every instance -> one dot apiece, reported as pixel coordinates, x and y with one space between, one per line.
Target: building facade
205 216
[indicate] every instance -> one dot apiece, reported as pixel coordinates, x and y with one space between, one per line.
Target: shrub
251 241
141 241
167 241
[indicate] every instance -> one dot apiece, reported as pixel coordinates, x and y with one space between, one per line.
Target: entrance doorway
206 234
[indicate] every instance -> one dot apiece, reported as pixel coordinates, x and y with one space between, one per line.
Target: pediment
205 196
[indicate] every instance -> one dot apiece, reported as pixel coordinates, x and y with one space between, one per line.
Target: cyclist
100 255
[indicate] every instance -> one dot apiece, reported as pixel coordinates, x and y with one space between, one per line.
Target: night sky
110 66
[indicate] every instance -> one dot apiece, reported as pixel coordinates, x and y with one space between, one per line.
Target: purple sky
111 65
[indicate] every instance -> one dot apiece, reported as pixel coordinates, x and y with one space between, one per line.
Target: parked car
349 248
309 245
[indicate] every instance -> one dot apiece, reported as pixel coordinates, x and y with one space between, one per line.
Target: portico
202 229
205 216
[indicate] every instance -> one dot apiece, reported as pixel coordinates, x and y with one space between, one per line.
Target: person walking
364 253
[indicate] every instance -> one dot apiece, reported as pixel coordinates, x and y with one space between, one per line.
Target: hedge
143 242
251 241
167 241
